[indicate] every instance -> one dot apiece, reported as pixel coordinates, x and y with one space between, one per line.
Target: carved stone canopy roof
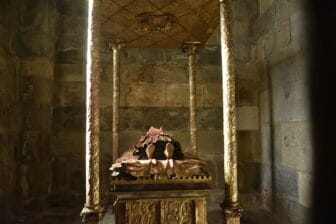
191 20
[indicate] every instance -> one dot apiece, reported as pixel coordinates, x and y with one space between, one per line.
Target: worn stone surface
41 67
247 118
69 93
282 208
264 5
305 188
132 119
210 119
213 95
68 143
209 55
265 106
266 143
250 70
283 36
171 73
10 109
169 119
244 51
245 8
178 95
209 73
37 117
286 182
146 94
69 118
299 214
249 146
247 93
281 30
69 72
249 176
297 146
289 98
210 143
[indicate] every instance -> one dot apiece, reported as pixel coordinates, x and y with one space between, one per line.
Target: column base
235 220
232 213
92 215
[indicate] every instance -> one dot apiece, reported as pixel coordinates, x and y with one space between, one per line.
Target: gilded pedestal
161 200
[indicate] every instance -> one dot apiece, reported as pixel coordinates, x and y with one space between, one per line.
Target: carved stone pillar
92 210
116 46
191 48
232 211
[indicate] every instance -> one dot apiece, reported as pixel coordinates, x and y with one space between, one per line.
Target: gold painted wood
92 210
232 211
161 209
195 20
200 211
172 201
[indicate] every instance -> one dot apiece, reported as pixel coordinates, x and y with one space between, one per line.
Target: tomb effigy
157 154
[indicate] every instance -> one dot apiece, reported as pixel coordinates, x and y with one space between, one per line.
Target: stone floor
255 216
66 210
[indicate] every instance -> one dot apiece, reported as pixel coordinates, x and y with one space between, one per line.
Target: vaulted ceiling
195 21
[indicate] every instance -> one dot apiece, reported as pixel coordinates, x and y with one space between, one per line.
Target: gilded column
191 48
116 46
232 211
92 210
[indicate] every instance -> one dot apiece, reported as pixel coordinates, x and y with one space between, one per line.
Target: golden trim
162 180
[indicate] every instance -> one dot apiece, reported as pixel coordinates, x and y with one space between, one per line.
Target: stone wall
35 42
247 72
10 110
26 68
283 52
68 122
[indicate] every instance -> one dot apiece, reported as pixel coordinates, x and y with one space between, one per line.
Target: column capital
191 47
116 44
225 1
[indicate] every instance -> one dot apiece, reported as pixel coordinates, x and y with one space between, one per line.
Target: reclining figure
157 153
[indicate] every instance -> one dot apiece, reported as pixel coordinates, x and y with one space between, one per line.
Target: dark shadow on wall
323 112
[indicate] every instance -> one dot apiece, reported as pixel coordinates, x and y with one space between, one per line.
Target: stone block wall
247 72
26 78
10 109
34 45
68 121
281 31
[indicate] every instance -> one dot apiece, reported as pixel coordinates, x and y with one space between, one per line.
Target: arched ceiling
195 21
